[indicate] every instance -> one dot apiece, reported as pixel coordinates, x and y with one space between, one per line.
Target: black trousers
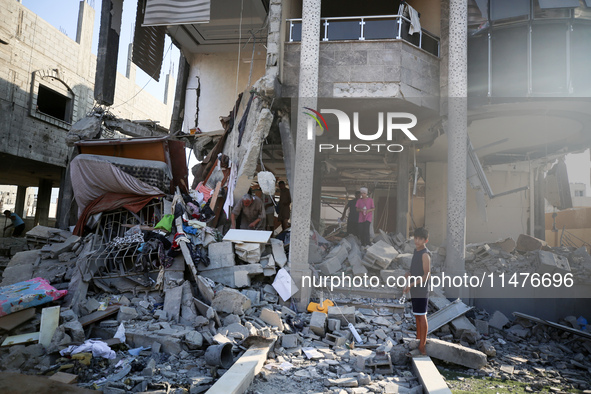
18 230
363 229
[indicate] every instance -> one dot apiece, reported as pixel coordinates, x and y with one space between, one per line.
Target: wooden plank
22 338
50 318
98 315
63 377
256 236
13 320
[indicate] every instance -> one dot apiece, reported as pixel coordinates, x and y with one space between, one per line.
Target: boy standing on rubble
418 284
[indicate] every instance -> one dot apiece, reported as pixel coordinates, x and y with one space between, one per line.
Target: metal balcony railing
361 28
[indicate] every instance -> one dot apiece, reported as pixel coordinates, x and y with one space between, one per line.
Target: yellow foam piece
323 307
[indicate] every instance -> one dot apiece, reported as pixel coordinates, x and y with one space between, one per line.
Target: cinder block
271 317
290 341
318 323
241 279
221 254
346 314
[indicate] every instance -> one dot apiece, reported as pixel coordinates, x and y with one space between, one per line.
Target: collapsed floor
168 334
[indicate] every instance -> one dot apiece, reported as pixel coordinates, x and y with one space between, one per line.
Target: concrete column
402 192
316 194
539 205
43 202
304 161
106 60
457 133
19 206
178 106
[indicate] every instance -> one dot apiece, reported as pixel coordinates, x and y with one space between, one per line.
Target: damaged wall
508 215
216 75
35 53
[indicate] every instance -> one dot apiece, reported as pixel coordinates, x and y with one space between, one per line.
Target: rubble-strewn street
184 332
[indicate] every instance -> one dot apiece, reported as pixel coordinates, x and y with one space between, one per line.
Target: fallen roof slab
240 376
456 354
447 314
552 324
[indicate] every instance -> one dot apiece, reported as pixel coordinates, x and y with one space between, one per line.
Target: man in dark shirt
251 211
353 218
418 284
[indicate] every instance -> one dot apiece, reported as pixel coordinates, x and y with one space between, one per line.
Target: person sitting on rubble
418 284
250 212
17 222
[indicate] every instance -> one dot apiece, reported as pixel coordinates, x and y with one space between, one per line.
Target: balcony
368 57
361 28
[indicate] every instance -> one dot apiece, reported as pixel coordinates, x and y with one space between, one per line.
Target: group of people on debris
360 215
254 213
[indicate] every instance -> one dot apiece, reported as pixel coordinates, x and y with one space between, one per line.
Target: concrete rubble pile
171 337
527 255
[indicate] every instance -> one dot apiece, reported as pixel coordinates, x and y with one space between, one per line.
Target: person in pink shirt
365 208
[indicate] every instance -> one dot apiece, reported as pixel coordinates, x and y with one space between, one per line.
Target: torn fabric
93 176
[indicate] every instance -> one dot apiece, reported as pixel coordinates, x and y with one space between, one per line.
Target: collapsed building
246 290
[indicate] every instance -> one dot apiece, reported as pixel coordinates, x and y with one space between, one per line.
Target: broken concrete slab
429 376
548 262
271 317
345 314
221 254
278 252
381 253
226 275
507 245
255 236
481 326
289 341
241 279
20 268
172 303
268 264
318 323
230 301
447 314
194 340
527 243
127 313
330 266
240 376
248 252
99 315
19 383
205 289
137 336
460 324
498 320
58 248
188 310
456 354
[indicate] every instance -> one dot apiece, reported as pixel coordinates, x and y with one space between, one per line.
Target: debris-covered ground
171 329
